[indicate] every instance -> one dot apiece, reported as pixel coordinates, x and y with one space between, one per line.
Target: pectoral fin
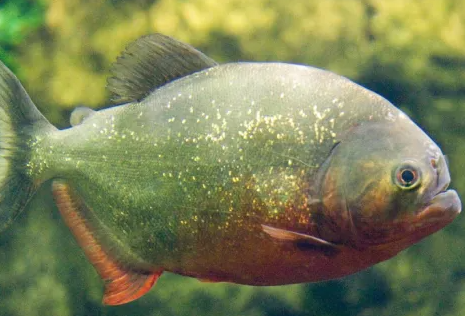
302 241
122 284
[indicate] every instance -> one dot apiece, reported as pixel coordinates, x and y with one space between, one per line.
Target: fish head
385 185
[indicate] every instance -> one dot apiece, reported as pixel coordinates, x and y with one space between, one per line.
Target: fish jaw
435 215
443 208
440 208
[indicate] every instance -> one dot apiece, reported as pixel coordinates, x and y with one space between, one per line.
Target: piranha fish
251 173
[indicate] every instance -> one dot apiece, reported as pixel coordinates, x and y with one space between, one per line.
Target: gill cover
376 181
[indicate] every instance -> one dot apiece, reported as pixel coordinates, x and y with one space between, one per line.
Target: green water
412 53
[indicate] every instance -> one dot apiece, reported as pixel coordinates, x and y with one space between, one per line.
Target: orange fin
128 287
122 285
302 240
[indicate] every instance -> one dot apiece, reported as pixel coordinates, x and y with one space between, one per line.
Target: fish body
252 173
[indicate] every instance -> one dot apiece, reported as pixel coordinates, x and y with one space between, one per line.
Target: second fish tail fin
20 120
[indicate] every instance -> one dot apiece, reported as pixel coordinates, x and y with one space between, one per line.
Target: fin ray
150 62
122 284
19 120
301 240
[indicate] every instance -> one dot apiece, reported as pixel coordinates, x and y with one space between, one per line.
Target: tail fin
19 119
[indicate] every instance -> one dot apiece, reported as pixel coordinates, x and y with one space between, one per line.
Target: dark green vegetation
17 20
413 53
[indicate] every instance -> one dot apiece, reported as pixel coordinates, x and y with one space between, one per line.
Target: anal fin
122 285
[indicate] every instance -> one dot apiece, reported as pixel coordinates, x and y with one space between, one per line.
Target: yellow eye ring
407 177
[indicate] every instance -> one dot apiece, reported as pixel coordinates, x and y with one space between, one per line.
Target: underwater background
411 52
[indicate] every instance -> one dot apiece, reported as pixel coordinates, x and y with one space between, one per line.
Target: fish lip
445 204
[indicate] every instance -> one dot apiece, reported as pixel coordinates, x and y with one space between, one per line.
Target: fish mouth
439 212
445 205
442 203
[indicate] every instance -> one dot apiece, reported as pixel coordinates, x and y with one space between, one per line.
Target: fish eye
407 176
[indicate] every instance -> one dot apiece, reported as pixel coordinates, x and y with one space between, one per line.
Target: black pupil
408 176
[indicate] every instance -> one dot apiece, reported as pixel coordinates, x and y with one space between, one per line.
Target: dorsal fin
150 62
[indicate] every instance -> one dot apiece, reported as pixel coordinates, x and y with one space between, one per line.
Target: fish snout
441 203
445 205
